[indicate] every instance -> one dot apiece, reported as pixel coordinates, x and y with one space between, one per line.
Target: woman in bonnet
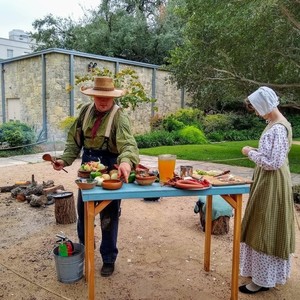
268 233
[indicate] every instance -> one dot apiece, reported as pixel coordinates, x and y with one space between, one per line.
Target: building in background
18 43
40 89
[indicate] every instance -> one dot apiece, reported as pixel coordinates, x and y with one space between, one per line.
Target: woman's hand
246 150
124 171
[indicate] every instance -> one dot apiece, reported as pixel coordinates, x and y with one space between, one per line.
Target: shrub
156 122
247 121
217 122
156 139
16 134
185 116
295 122
189 116
172 124
241 135
192 135
66 124
216 136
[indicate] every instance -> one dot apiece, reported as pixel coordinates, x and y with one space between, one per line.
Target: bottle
62 249
70 247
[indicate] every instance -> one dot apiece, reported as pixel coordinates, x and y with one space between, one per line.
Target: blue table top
133 190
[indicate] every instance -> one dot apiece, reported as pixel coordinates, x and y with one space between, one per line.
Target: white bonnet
264 100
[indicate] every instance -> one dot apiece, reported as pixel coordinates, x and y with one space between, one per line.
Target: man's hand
124 171
58 164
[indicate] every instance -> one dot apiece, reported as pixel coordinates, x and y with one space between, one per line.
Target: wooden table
232 194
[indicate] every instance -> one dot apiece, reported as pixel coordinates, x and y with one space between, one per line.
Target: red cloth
97 124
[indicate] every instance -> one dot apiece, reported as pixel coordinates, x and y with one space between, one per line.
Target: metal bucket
69 269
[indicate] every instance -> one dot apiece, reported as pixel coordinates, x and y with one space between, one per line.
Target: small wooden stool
221 213
65 212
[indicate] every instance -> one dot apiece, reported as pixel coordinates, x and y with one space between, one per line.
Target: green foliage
136 30
215 136
16 134
156 122
126 79
156 139
234 135
54 32
192 135
295 122
232 47
241 135
217 122
66 124
182 118
172 124
247 121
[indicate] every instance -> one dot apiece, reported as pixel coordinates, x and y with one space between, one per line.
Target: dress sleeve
273 148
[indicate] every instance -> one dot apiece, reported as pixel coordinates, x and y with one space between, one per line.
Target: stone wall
23 79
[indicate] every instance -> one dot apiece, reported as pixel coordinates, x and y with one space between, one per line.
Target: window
10 53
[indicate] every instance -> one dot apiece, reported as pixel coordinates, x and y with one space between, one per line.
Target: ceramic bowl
87 174
83 174
85 184
145 180
112 184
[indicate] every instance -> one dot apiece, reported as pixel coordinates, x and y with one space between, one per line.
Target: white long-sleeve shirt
273 148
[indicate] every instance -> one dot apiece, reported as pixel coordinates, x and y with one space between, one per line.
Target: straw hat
104 87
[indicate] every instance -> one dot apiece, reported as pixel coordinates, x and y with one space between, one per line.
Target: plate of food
192 184
86 169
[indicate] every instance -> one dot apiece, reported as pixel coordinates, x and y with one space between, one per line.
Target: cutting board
228 179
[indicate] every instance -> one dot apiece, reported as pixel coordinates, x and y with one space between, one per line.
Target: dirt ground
161 248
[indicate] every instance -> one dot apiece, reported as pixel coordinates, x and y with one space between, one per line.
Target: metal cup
186 171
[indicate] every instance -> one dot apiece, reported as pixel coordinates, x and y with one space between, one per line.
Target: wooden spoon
48 157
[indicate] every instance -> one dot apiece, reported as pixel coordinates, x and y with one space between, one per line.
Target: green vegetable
95 174
131 177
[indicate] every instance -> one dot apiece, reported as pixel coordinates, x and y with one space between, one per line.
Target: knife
223 173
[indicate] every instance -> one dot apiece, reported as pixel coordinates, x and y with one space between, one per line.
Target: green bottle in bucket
69 268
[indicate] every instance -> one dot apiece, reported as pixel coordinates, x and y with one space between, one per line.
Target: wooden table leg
89 247
208 219
236 246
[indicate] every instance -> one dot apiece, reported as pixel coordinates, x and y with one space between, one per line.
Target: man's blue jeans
109 219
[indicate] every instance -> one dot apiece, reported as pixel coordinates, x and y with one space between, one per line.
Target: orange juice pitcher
166 167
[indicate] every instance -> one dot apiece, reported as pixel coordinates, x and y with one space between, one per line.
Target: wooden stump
219 226
65 212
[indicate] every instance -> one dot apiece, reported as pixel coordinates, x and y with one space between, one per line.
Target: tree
54 32
232 47
138 30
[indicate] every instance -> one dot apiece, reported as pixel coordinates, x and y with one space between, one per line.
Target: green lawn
226 153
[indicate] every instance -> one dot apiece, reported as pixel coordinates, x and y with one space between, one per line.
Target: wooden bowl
145 180
85 184
112 184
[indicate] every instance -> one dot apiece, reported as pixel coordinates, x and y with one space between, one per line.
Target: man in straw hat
89 132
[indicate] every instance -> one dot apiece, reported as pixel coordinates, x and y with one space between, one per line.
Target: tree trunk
65 212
